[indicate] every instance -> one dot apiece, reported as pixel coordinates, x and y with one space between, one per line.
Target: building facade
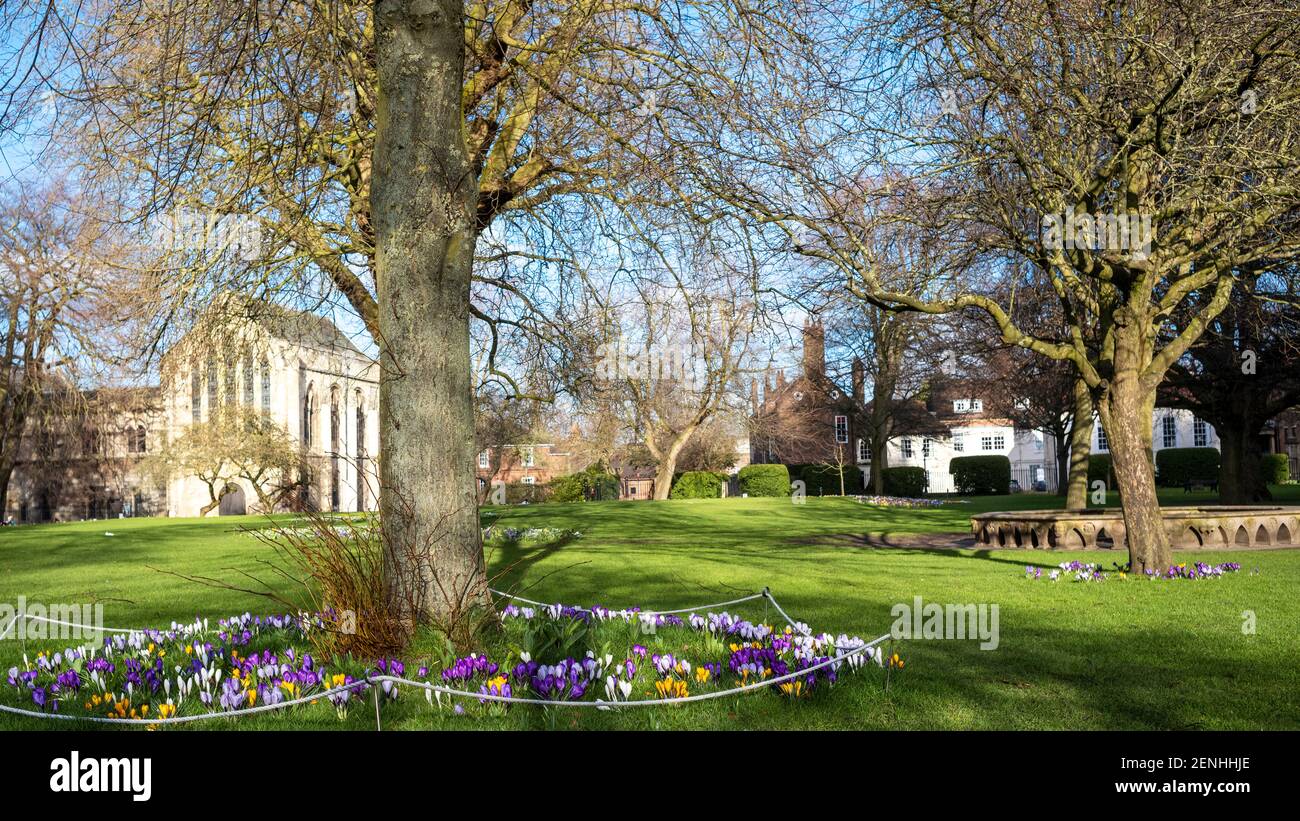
296 369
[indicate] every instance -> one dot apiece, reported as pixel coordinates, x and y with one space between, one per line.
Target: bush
1099 470
765 480
1274 468
824 480
905 481
591 484
697 484
517 492
1175 467
981 474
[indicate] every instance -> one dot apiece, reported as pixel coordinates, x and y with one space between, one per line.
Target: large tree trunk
1126 412
1241 456
668 463
879 462
1076 489
423 200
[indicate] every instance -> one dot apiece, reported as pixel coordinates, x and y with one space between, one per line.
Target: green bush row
1175 467
981 474
764 480
697 484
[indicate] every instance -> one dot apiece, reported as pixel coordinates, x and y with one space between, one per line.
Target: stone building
297 368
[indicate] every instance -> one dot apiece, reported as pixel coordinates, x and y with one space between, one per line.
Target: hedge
697 484
764 480
981 474
905 481
1275 469
1175 467
1099 470
824 480
584 485
517 492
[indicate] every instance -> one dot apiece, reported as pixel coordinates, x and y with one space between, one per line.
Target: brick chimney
859 381
780 379
814 349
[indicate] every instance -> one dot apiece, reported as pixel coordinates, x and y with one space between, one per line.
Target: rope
451 691
643 612
438 688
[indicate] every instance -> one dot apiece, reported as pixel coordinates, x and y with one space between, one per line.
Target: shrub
1099 470
591 484
905 481
824 480
697 484
981 474
517 492
1274 468
1177 466
765 480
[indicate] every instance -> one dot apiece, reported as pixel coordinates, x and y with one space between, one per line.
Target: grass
1136 654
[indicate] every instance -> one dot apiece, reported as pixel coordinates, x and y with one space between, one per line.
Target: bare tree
1140 153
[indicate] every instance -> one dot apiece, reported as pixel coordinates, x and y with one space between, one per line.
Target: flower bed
1092 572
898 501
553 653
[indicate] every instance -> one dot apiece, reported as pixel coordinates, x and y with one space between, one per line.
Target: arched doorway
233 503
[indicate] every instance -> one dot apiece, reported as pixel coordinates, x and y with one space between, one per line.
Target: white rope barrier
451 691
629 610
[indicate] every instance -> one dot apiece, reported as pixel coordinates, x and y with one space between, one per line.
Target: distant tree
1243 372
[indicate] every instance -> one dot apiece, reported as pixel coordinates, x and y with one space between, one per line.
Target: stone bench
1189 528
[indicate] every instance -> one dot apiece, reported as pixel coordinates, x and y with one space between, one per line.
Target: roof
302 328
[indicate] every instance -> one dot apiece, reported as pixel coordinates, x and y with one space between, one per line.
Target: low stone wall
1190 528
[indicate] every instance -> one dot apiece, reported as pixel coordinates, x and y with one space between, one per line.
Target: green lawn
1133 654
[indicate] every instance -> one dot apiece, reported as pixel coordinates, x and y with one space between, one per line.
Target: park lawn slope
1131 654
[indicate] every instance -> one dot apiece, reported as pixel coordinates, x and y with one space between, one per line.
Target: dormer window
967 405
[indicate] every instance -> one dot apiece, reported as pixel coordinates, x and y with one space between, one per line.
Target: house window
1102 444
1200 433
958 442
528 457
864 454
842 429
906 448
1169 432
229 397
248 382
483 459
529 480
135 440
967 405
996 441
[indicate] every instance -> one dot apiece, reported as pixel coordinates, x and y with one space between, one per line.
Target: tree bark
879 463
1240 455
1080 449
1126 410
668 463
423 201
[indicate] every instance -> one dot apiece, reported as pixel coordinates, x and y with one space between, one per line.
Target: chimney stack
780 378
753 395
814 349
859 382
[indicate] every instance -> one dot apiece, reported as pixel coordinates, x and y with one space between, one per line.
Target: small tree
236 444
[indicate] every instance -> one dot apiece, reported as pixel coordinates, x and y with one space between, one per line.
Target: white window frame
1200 433
528 457
484 459
529 480
959 442
842 430
905 447
1169 432
927 447
1103 444
864 453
